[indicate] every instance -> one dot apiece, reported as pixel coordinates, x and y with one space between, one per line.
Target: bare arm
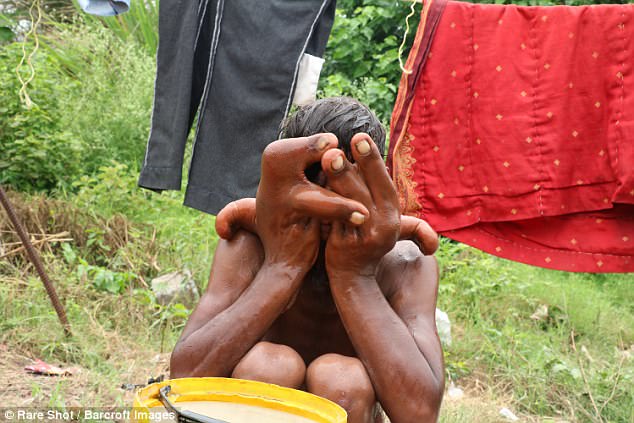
413 279
251 284
240 214
215 348
396 342
396 337
243 298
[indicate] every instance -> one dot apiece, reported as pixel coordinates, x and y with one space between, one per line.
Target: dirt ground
20 388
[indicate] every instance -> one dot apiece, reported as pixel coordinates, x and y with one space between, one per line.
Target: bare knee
272 363
345 381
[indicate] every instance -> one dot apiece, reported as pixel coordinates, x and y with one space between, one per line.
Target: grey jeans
236 63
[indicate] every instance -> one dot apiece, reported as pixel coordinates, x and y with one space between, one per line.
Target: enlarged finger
344 178
239 214
420 232
367 156
293 155
325 205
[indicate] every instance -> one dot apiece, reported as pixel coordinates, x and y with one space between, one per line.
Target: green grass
499 355
93 88
115 336
491 301
187 237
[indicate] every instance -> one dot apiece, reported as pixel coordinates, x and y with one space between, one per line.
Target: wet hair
342 116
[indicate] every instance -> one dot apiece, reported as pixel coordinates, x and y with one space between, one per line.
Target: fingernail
322 143
357 218
363 147
337 163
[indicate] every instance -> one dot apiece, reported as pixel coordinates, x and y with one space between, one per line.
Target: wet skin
349 317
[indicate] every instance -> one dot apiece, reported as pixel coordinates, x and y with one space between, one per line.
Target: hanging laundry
237 63
514 133
104 7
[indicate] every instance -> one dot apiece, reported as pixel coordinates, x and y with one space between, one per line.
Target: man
324 298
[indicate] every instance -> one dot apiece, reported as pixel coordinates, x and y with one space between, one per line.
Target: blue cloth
105 7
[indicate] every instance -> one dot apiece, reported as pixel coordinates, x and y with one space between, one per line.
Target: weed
536 361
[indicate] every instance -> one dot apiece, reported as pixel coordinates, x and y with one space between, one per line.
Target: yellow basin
236 401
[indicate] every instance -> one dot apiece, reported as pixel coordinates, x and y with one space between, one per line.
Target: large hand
419 231
289 206
358 250
240 214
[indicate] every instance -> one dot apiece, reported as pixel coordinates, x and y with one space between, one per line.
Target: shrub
36 151
92 95
362 53
110 111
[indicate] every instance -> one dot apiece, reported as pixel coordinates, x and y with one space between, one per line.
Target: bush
497 337
92 97
185 236
36 151
362 53
110 111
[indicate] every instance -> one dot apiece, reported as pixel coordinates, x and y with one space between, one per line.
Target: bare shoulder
235 264
409 279
236 261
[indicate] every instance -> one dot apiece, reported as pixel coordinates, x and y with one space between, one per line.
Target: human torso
311 325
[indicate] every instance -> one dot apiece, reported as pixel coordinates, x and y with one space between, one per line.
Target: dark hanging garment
237 63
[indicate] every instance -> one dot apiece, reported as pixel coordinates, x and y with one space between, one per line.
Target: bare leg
272 363
345 381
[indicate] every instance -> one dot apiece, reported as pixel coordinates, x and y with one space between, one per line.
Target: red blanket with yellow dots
514 132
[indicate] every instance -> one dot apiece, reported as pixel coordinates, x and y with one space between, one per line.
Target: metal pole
37 262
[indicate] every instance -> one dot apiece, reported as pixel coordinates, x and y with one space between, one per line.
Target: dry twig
44 241
585 378
616 382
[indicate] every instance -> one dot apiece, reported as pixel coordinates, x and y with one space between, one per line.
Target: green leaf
69 255
6 34
558 368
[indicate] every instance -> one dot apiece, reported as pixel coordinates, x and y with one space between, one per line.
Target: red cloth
516 135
